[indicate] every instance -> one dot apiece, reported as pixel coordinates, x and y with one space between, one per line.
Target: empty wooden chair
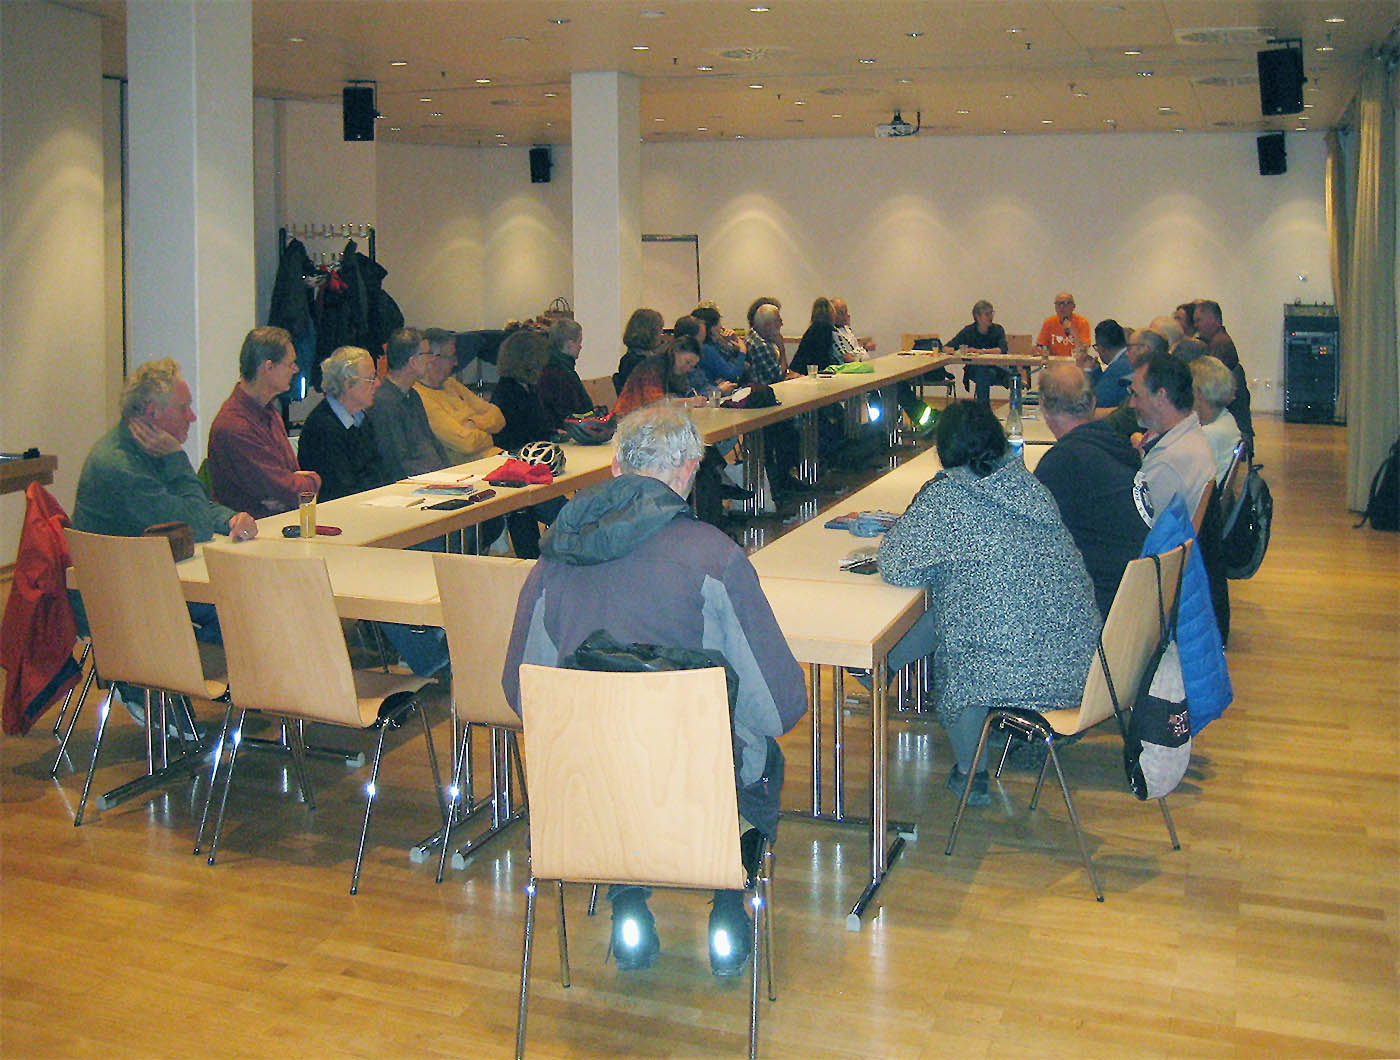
287 657
141 635
478 595
1143 612
632 782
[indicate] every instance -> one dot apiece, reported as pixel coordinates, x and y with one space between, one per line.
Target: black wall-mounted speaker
540 165
1281 81
358 111
1273 157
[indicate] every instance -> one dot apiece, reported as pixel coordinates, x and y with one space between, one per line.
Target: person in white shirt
1215 388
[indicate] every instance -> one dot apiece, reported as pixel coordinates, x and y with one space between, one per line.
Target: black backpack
1244 537
1383 504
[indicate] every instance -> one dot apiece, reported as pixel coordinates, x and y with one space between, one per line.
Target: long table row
831 618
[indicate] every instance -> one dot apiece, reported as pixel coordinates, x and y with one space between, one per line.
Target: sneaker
731 933
979 796
635 943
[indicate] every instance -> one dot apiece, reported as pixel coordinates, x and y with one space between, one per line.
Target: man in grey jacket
630 558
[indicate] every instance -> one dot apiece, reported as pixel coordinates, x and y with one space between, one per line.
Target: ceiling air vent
1226 80
1235 35
754 53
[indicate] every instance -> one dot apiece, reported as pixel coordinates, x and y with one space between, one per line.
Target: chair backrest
1131 633
631 777
478 596
140 625
1232 485
282 638
1199 516
919 340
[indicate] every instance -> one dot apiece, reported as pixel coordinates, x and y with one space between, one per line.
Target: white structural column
606 158
190 284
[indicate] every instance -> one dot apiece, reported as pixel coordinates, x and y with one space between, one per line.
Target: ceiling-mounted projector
897 126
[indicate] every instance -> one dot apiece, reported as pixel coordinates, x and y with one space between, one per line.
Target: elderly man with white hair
628 557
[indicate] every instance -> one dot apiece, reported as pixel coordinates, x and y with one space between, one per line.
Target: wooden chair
928 340
1143 613
1198 517
632 778
478 595
287 657
141 635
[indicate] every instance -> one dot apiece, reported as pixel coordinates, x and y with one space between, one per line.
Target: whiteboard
671 274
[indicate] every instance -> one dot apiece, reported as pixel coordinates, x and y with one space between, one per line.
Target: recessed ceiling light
1132 51
704 69
1334 20
398 62
738 136
1307 106
799 102
904 81
1081 94
435 114
702 128
483 80
503 144
1047 121
559 21
1005 132
760 9
915 33
1323 48
1109 121
1165 110
868 62
658 119
641 48
962 110
1008 95
1014 29
425 99
838 115
500 136
755 86
395 128
1300 128
1178 129
1144 73
296 40
551 95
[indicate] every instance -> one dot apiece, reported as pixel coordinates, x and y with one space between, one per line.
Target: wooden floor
1272 932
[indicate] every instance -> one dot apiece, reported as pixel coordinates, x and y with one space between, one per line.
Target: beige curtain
1339 231
1369 321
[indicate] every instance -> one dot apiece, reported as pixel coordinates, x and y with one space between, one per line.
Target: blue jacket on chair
1203 669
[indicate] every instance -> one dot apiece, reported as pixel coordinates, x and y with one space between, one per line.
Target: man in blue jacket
630 558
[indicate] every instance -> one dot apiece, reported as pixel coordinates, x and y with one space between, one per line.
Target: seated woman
640 339
337 442
1215 388
818 345
521 359
1011 620
982 334
665 374
561 390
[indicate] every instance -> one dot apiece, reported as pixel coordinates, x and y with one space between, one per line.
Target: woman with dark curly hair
1011 620
663 375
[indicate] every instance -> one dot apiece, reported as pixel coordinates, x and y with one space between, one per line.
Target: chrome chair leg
525 954
1074 821
236 739
1171 826
63 709
593 900
460 765
563 937
296 742
755 949
1040 780
73 719
433 762
213 774
967 784
371 789
102 712
766 881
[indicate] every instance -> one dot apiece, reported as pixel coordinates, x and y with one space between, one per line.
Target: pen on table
415 502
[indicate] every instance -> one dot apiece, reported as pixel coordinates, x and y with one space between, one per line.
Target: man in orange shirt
1064 330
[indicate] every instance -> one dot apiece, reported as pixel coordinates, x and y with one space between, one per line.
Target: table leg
807 465
815 672
838 743
754 478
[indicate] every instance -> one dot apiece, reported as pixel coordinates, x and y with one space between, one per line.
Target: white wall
911 233
52 315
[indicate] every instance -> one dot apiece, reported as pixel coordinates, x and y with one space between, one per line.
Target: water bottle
1013 418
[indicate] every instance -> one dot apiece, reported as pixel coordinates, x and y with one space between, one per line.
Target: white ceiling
715 69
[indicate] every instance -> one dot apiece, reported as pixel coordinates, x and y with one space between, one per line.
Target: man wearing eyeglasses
337 441
463 422
1064 330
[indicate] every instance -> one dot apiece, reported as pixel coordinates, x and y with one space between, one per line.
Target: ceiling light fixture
702 128
760 9
559 21
1144 73
962 110
483 80
915 34
435 114
799 102
425 99
398 62
704 69
867 62
640 48
551 95
1324 48
1334 20
755 86
1047 121
1178 129
838 115
296 40
1132 51
396 128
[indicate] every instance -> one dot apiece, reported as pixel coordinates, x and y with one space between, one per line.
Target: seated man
337 441
407 444
1064 330
1091 472
251 463
462 422
628 557
1109 367
1176 456
137 475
